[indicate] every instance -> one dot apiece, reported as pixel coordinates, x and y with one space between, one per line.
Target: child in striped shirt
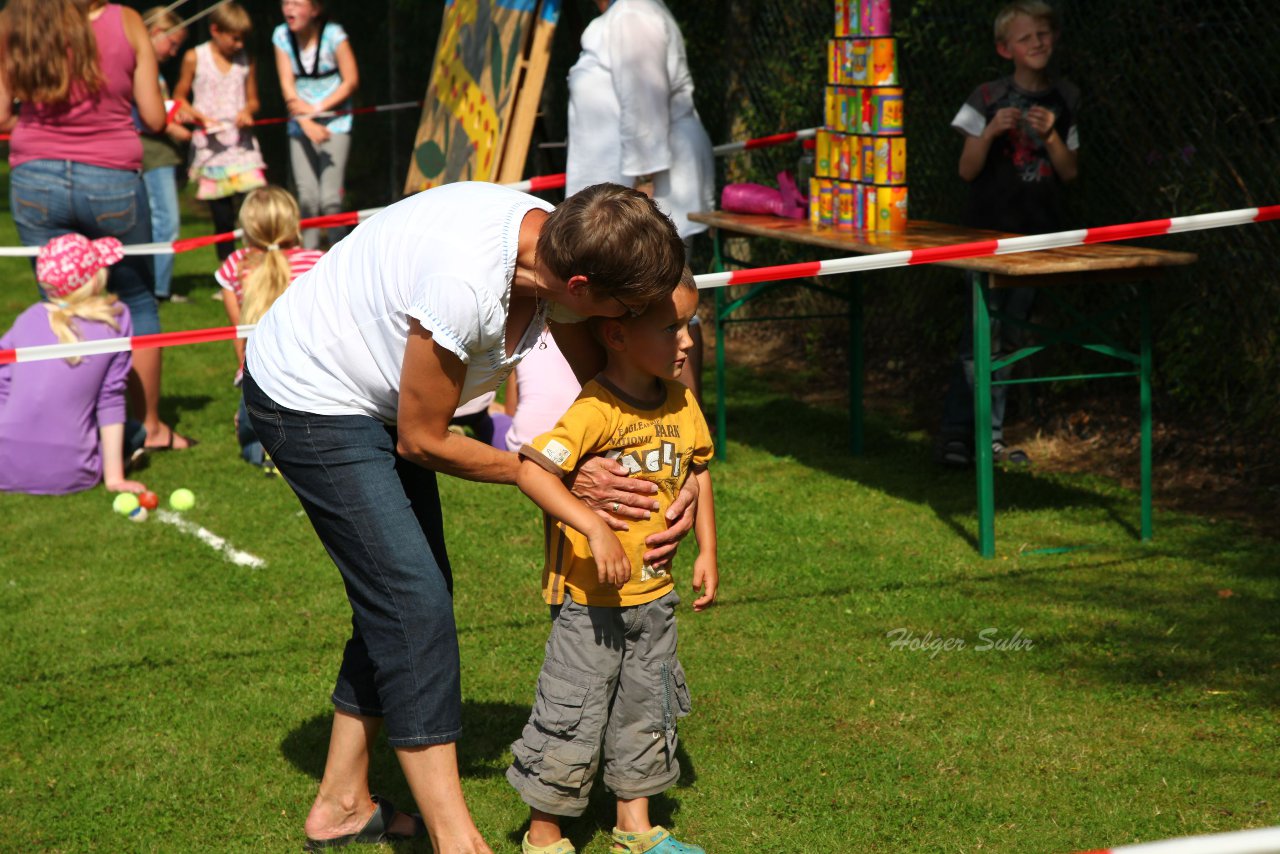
253 278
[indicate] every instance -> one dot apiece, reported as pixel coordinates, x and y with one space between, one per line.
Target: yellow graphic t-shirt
657 440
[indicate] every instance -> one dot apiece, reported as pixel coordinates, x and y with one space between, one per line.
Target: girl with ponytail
254 277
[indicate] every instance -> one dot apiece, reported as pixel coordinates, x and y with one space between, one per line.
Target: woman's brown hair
49 48
616 237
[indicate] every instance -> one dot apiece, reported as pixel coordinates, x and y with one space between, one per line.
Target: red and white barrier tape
325 114
1263 841
982 248
121 345
1004 246
538 183
764 141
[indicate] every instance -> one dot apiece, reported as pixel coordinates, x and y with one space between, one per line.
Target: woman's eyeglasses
631 312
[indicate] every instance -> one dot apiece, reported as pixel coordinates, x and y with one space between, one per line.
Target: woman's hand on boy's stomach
603 485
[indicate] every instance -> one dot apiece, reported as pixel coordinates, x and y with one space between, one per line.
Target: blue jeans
378 516
957 407
135 436
162 195
49 198
250 448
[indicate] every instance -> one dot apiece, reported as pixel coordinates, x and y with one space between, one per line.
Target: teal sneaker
655 841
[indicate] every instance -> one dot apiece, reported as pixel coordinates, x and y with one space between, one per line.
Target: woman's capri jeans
53 197
378 516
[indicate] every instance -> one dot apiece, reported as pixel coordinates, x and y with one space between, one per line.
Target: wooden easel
486 83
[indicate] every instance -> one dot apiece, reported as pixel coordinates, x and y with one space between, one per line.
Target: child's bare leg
633 815
544 828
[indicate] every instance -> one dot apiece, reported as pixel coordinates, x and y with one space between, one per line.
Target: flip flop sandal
375 830
168 446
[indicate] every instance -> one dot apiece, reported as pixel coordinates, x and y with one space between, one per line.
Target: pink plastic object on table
787 201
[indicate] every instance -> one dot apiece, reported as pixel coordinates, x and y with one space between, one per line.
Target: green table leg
982 418
722 426
856 425
1144 395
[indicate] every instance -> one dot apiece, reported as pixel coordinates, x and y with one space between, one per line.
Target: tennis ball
139 514
125 503
182 499
149 500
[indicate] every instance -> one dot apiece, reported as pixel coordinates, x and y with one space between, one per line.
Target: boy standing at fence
1020 147
611 687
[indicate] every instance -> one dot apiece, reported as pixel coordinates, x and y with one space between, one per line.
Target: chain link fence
1178 116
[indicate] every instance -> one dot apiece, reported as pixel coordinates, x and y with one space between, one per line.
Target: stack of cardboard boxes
861 158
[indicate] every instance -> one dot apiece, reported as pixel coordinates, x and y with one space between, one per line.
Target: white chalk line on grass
211 539
1264 840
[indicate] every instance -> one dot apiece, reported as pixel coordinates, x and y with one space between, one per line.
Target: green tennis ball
182 499
125 503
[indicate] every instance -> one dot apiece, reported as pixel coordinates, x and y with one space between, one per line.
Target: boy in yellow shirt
611 685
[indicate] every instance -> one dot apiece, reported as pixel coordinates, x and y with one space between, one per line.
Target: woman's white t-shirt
334 343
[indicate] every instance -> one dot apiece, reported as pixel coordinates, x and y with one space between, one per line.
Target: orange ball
149 500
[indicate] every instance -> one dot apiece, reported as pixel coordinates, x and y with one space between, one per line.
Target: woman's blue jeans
250 447
378 515
162 196
49 198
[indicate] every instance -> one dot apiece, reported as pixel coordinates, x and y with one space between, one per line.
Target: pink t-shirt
545 388
96 130
300 261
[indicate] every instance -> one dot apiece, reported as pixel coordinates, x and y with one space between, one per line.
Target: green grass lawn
155 696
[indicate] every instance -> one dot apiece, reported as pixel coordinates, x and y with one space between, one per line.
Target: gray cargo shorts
612 687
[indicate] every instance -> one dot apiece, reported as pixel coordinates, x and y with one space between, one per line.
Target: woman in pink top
75 157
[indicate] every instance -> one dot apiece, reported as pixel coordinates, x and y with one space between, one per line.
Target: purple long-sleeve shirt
50 411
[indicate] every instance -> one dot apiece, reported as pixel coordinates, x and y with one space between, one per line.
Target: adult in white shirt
632 121
351 380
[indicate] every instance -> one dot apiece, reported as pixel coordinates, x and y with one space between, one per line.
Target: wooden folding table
1095 263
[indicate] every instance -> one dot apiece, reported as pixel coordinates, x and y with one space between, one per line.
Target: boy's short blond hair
232 18
1036 10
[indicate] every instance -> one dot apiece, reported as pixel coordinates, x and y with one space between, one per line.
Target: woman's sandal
376 829
168 446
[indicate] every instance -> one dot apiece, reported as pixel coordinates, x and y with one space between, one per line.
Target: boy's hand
125 486
1005 120
706 579
1041 120
602 484
612 565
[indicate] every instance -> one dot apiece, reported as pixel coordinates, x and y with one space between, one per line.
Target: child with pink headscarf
62 421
